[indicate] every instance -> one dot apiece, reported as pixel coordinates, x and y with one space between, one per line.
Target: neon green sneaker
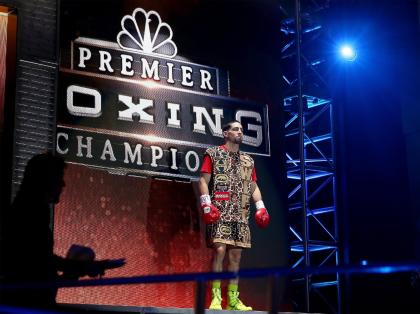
216 300
234 303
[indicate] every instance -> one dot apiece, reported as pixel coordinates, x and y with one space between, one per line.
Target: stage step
96 309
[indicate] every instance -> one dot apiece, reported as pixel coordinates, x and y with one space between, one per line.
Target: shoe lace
235 298
217 294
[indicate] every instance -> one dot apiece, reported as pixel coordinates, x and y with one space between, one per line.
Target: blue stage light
348 53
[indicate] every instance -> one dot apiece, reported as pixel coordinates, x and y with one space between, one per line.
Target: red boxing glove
262 218
210 213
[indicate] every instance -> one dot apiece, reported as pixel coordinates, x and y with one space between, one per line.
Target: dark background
378 111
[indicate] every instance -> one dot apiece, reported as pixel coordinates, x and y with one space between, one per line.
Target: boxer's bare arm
203 183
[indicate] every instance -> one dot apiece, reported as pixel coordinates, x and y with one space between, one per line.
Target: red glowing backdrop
154 224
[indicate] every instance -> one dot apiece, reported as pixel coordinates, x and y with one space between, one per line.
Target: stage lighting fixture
348 53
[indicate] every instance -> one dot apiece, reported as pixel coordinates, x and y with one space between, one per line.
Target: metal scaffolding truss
310 158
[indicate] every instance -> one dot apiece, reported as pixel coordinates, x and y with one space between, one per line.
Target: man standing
227 184
27 239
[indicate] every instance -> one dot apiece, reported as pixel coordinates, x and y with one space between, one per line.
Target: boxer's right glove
210 213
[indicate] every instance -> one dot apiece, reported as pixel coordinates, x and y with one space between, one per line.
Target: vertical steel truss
310 158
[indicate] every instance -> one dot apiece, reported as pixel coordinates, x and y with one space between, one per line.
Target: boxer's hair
228 125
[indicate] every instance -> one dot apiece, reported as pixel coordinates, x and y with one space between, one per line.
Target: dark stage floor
148 310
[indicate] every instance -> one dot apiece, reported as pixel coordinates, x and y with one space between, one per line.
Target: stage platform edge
93 308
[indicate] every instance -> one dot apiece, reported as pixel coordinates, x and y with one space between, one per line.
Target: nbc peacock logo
146 33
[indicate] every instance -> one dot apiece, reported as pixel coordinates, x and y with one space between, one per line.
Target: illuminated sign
130 107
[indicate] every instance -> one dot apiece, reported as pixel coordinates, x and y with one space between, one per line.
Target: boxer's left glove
210 213
262 218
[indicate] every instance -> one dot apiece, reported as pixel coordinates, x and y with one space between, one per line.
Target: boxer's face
234 134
